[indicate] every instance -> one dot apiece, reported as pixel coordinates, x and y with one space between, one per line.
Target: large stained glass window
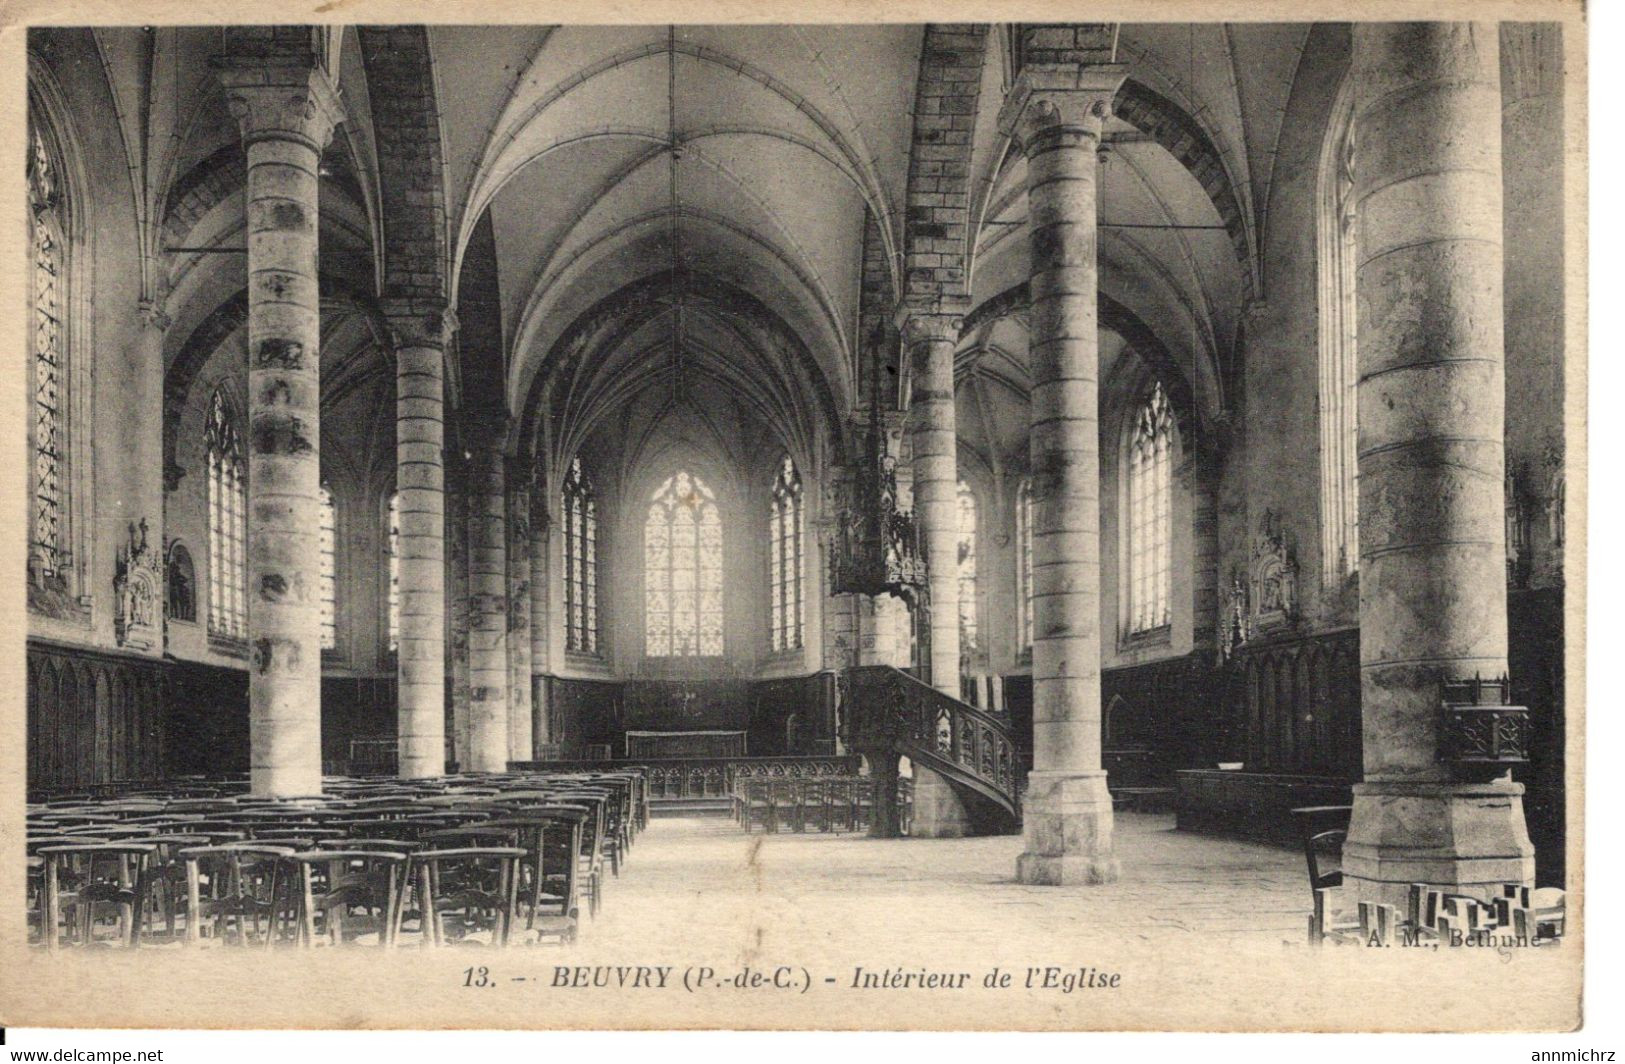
1024 547
329 542
394 518
580 561
967 568
228 509
784 531
682 559
48 531
1150 495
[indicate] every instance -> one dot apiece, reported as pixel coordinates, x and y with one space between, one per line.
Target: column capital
1048 99
419 323
280 100
939 323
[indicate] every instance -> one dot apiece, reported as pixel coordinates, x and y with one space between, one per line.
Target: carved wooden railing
706 777
887 709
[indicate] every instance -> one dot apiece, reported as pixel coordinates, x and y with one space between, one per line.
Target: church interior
1083 444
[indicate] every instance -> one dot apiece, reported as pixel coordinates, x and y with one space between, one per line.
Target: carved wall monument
138 593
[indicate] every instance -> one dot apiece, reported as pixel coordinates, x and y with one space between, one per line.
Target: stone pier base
938 811
1067 829
1466 838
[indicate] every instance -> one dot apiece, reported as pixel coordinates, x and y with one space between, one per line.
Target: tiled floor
693 883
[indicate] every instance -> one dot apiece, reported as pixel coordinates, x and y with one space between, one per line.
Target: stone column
420 334
1427 181
929 341
457 612
520 475
1056 112
487 602
287 111
541 526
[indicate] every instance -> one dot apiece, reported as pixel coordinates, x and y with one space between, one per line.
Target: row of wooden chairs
444 860
825 803
1517 915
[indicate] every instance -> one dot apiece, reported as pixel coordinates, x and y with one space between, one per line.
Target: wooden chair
592 854
788 814
346 893
758 805
241 890
551 835
106 874
1323 852
465 891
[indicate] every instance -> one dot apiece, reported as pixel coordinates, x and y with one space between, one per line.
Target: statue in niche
1273 574
138 592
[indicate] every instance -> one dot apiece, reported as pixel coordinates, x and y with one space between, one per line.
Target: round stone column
487 605
287 114
1056 114
1427 181
929 341
521 473
420 336
457 613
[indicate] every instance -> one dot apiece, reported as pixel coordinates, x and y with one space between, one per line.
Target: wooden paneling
93 718
1294 706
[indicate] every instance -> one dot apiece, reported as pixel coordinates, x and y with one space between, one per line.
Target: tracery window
682 557
1024 547
48 425
1150 496
393 512
580 561
228 509
329 580
784 532
967 568
1339 378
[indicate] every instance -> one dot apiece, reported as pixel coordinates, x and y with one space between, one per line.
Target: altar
656 745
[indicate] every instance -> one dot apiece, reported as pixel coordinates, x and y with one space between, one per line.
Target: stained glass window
329 537
682 558
1150 494
47 254
784 533
580 561
967 568
1024 545
228 509
394 571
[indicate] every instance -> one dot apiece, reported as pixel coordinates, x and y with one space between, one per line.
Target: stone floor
695 884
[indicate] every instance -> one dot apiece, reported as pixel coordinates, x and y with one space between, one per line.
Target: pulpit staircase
886 713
